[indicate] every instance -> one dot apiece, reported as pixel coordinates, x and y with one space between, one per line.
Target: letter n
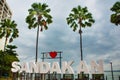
97 68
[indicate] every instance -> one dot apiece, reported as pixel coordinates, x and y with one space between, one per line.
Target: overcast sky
101 41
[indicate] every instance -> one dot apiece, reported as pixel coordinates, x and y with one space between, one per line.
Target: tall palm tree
80 17
8 29
115 17
38 17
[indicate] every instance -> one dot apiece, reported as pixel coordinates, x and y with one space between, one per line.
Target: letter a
55 68
83 67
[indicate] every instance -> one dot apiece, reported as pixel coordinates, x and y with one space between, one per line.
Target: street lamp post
112 71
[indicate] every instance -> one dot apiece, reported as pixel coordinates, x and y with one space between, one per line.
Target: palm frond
75 11
44 6
49 21
45 27
35 5
116 7
9 29
85 10
91 20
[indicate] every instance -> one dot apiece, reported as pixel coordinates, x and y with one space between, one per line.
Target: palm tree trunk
80 32
5 43
37 44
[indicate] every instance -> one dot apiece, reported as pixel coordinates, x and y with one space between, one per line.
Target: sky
101 41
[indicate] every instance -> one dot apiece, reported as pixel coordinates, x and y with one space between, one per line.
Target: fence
54 76
116 75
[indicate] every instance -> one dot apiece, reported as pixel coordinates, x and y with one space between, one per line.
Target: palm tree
80 17
8 29
38 17
115 17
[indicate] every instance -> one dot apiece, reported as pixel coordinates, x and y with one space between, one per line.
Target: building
5 12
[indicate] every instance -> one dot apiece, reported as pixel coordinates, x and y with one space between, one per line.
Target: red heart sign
53 54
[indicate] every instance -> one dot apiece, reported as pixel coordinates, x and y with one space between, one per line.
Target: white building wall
2 44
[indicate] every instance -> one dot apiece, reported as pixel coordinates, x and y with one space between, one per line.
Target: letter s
16 66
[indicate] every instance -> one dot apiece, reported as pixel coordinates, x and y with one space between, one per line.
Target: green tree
1 62
7 57
115 17
38 17
10 55
8 29
80 17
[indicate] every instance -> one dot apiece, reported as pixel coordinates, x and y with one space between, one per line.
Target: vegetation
7 57
8 30
115 17
80 17
38 17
